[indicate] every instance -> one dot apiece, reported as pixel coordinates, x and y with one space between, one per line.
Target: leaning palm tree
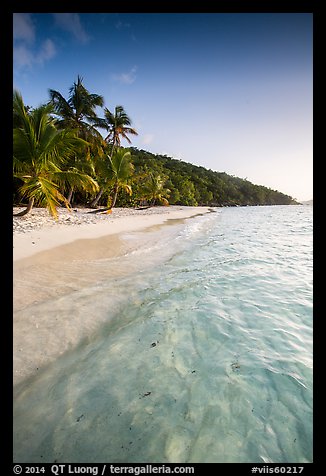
40 152
118 125
120 170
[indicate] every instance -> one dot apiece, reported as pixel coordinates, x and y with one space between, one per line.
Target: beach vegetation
78 112
154 190
40 153
60 158
120 170
118 126
194 185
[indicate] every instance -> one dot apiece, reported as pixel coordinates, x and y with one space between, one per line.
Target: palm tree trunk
27 210
94 202
115 194
71 191
113 145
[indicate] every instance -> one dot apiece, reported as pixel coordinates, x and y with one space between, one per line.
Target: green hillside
188 184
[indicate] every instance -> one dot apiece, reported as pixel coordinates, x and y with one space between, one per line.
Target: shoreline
51 260
40 232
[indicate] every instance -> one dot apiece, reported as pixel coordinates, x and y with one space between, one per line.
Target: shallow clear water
205 357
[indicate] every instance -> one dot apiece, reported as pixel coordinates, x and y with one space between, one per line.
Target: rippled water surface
206 357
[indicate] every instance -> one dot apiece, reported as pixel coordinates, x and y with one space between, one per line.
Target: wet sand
52 259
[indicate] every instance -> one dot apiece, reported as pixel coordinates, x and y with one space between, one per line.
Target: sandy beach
39 231
52 258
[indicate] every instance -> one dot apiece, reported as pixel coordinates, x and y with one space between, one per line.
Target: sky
232 92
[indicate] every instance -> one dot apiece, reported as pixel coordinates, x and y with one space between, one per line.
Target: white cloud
25 54
23 27
71 22
47 51
22 56
126 78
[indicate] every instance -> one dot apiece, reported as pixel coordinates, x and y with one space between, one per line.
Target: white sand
40 232
43 249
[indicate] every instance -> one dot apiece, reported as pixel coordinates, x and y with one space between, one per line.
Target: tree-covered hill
159 179
188 184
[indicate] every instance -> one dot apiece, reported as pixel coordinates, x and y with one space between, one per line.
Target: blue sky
229 91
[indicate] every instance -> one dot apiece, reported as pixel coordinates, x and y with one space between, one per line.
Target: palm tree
78 113
120 170
118 126
40 153
154 189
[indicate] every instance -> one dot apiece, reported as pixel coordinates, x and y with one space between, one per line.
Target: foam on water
204 356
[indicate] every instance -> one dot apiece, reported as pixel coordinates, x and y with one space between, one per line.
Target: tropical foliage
118 126
120 169
193 185
40 153
78 111
60 158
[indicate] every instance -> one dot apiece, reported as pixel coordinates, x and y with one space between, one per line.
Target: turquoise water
205 357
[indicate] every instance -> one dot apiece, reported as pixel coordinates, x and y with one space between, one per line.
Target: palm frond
117 124
44 192
61 106
76 179
41 154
